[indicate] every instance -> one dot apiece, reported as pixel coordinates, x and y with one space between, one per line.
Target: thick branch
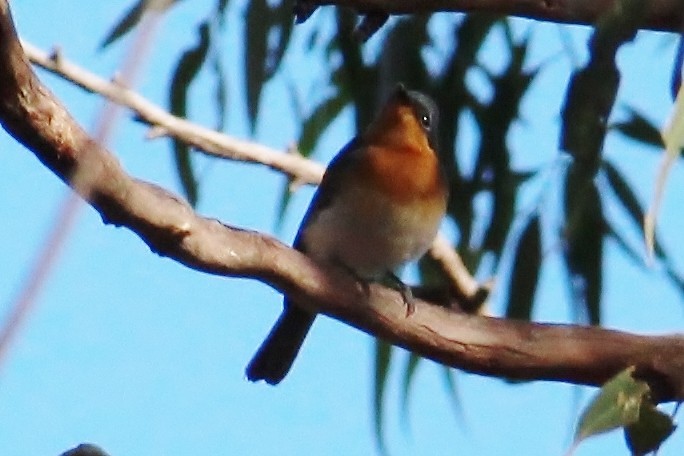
665 15
585 355
300 169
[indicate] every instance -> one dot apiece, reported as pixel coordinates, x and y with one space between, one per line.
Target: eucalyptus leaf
649 432
629 201
407 380
584 231
616 405
257 25
185 72
525 273
637 127
133 16
592 90
383 358
267 34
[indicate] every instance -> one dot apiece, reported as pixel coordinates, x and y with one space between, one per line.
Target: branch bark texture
664 15
520 350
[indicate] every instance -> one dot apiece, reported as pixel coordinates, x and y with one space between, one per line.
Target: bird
379 206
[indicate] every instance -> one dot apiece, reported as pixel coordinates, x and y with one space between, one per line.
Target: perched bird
379 205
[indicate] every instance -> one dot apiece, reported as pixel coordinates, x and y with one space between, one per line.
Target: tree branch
300 169
204 139
512 349
664 15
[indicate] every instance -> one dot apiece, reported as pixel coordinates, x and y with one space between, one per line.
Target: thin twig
206 140
488 346
298 168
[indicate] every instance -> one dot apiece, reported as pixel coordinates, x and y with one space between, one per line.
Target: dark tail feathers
276 354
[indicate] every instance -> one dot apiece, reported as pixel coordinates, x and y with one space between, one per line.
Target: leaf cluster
502 241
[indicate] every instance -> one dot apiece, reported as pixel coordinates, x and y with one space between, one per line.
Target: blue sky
143 356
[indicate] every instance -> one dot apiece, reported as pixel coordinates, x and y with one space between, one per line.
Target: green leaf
629 200
525 273
640 129
383 357
256 34
616 405
267 34
356 78
675 277
584 232
670 272
493 167
409 375
188 66
221 7
592 90
284 201
133 17
453 93
651 429
312 128
588 102
220 92
281 28
318 121
401 58
673 137
622 243
453 99
449 381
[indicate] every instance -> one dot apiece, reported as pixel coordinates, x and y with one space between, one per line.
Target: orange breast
405 173
399 160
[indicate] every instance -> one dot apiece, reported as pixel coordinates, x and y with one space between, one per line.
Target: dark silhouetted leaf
624 245
631 204
220 93
221 7
453 98
317 122
281 29
588 103
383 357
629 201
584 231
133 17
312 128
267 34
357 79
370 23
449 381
407 381
188 66
640 129
651 429
303 9
256 49
525 273
638 259
617 405
675 277
401 59
493 168
592 89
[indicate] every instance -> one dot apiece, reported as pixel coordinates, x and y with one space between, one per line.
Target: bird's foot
407 295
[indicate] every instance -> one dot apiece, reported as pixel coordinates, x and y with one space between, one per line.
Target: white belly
368 234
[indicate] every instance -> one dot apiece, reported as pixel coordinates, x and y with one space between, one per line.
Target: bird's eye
425 121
